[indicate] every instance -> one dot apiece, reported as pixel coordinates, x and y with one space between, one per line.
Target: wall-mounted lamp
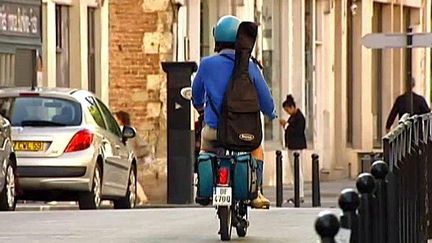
329 6
353 7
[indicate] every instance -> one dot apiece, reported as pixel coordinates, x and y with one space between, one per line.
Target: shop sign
20 19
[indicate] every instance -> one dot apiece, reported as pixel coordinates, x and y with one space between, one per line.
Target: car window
111 122
95 112
41 111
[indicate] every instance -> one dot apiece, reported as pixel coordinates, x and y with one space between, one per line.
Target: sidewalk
330 191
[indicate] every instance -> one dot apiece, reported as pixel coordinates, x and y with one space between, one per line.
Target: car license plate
222 196
28 146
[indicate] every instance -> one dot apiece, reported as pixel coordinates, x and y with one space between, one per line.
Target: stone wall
140 39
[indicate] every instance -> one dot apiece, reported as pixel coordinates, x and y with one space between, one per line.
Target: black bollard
296 180
365 185
349 202
327 226
316 193
279 185
380 170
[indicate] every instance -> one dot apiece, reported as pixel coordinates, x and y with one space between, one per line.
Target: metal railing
393 203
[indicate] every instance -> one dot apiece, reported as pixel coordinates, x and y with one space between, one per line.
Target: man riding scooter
210 84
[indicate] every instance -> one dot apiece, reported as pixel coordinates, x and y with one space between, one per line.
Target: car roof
65 92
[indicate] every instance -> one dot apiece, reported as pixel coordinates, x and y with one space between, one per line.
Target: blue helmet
226 28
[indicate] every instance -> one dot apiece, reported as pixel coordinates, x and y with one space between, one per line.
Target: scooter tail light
223 176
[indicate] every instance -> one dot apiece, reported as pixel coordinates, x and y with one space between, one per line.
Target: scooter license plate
222 196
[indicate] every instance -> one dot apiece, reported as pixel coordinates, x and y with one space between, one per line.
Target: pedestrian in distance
409 102
139 149
295 138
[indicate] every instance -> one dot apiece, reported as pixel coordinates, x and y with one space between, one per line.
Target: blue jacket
212 79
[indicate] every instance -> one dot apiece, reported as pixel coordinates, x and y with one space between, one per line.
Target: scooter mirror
186 93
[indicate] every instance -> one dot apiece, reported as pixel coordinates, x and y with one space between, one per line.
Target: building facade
141 37
55 43
312 49
74 49
309 48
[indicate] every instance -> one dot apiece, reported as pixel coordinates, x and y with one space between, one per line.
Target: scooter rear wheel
243 223
225 228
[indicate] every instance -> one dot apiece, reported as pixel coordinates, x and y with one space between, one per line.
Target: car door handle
117 147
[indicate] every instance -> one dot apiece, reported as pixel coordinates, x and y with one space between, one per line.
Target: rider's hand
200 110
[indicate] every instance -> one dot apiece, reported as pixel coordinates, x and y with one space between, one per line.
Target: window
95 112
7 69
41 111
25 68
111 122
267 54
350 77
407 55
271 63
91 50
62 44
309 71
205 28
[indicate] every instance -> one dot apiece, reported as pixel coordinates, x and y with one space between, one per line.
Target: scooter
231 212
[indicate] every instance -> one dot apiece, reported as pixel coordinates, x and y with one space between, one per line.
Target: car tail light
80 141
223 176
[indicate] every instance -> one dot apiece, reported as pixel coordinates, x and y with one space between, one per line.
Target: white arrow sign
177 106
396 40
422 40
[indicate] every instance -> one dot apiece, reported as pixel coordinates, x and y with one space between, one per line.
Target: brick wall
140 38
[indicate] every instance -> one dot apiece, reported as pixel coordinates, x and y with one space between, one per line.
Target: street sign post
408 41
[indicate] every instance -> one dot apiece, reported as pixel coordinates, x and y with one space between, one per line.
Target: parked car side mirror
128 132
6 121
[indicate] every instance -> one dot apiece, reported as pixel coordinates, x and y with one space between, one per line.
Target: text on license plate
28 146
222 196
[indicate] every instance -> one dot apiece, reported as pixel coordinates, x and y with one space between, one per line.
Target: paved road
153 225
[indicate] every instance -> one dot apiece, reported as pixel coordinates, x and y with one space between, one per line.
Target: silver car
69 147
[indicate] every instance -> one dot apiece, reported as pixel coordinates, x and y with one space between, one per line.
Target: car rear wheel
8 194
129 200
92 199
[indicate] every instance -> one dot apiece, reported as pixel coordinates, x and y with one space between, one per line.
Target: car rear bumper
66 184
51 171
70 172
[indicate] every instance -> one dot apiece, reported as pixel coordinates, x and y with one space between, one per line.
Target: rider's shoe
291 200
260 202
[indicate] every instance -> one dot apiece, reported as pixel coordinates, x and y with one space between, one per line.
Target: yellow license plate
28 146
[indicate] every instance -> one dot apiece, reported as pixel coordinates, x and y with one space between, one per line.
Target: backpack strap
227 56
257 62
